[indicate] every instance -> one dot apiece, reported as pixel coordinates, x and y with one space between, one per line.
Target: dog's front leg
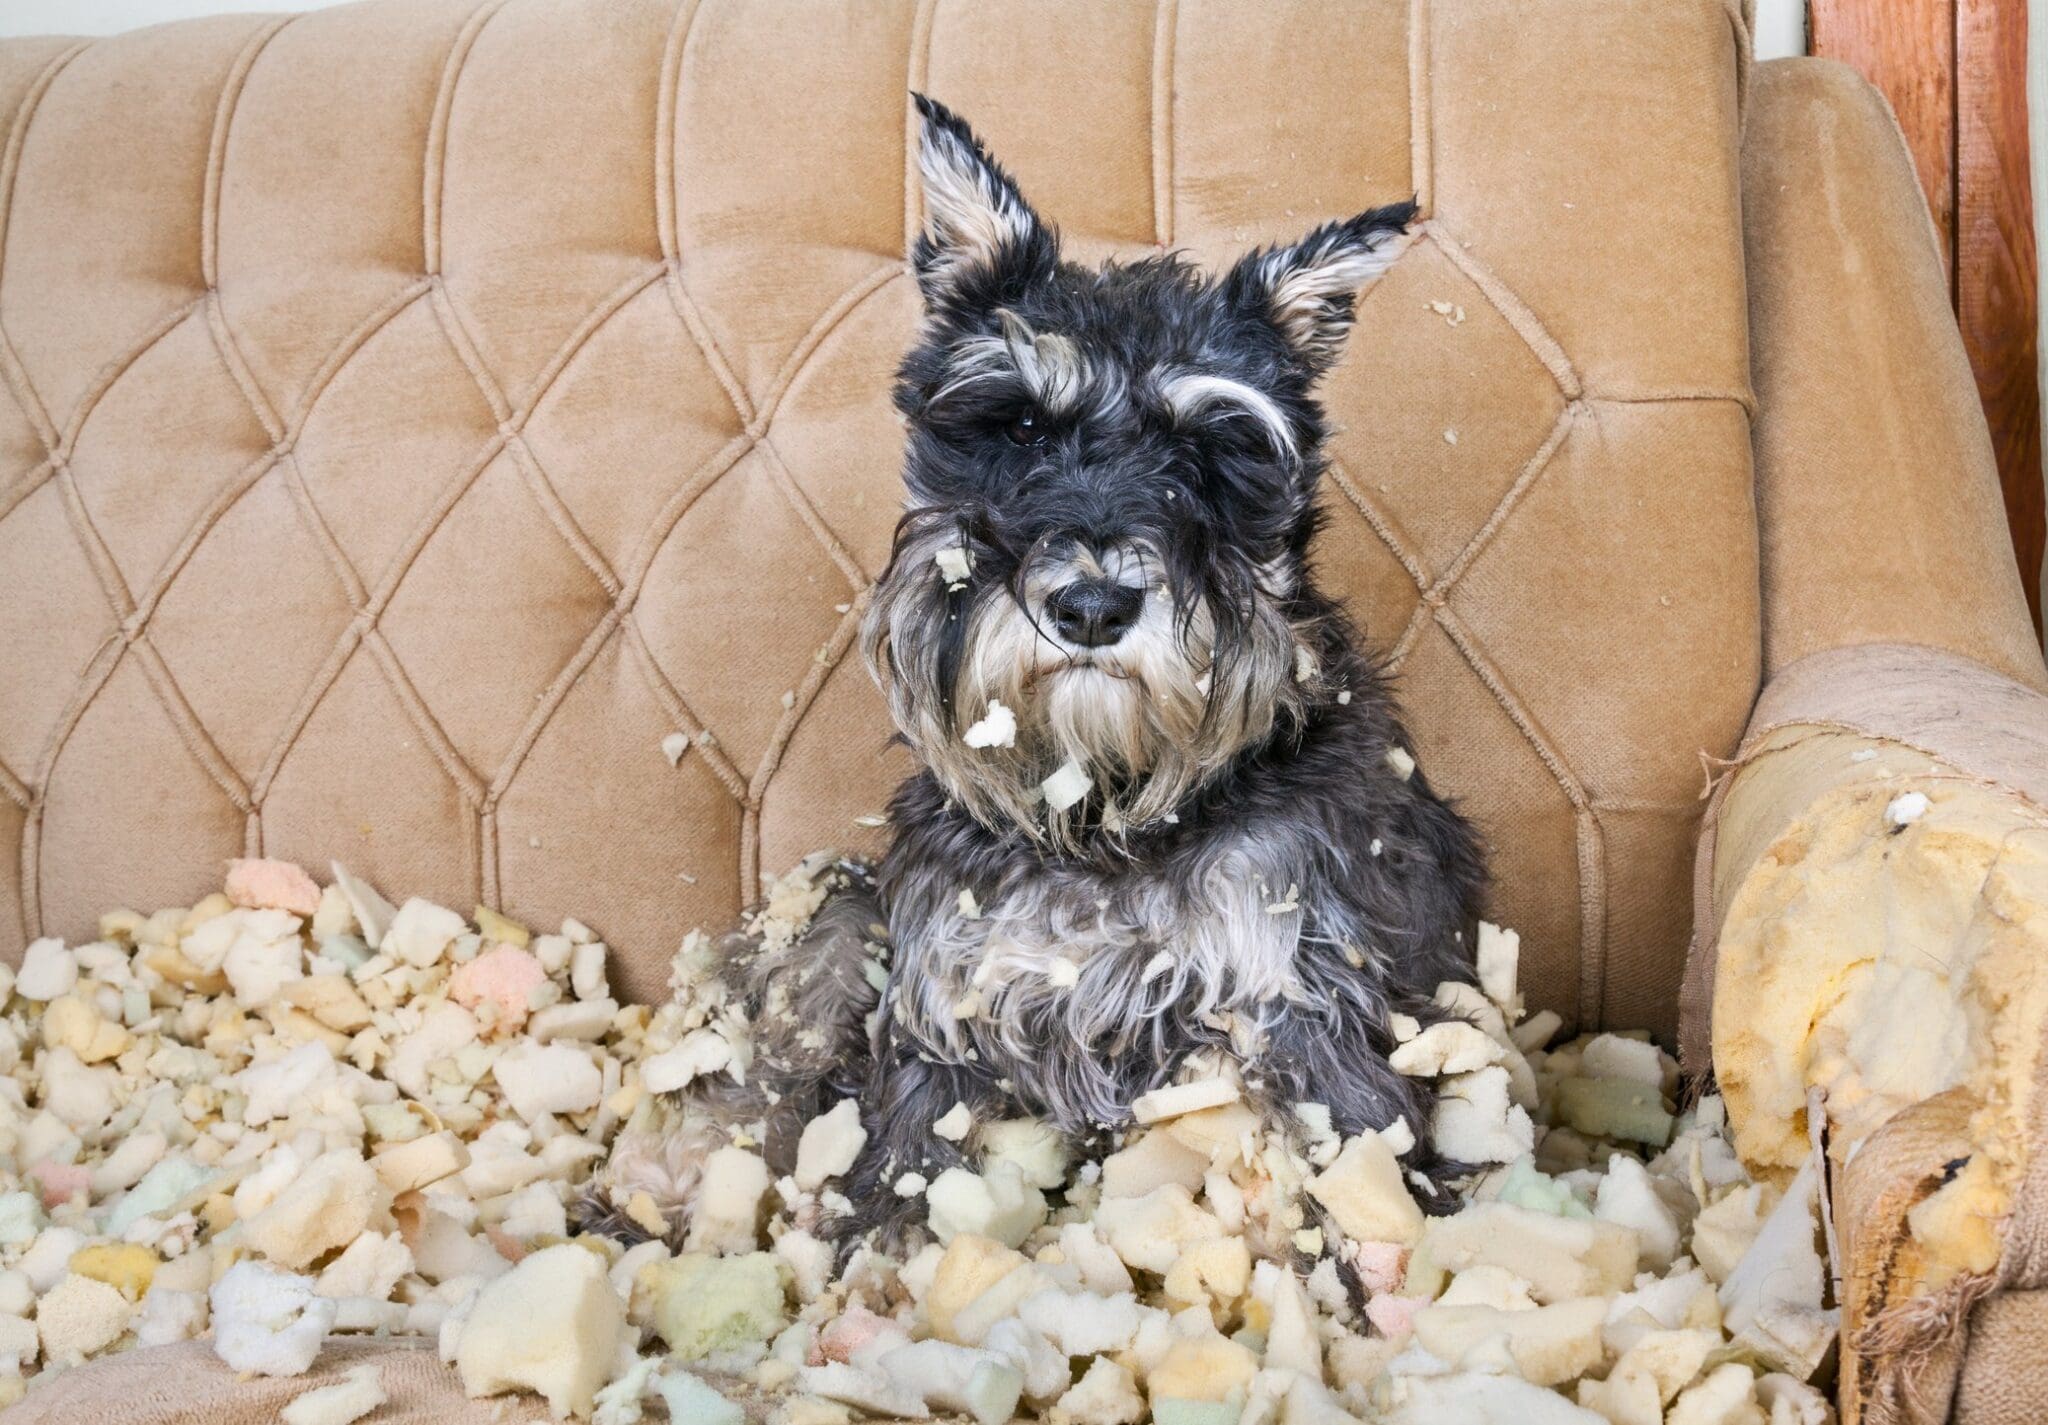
1334 1051
909 1091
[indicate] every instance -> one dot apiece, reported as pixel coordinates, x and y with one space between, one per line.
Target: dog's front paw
646 1189
596 1212
880 1218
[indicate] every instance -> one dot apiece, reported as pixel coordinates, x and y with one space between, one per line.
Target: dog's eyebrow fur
1188 393
1048 363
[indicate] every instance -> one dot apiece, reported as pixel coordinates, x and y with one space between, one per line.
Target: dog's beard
1149 719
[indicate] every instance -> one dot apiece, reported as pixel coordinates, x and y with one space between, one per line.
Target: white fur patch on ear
1303 292
973 210
1189 393
1309 289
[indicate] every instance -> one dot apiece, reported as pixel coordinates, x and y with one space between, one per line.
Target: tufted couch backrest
413 412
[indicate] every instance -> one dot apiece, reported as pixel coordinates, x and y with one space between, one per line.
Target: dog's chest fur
1084 987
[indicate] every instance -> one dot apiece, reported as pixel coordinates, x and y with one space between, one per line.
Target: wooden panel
1955 73
1995 262
1907 48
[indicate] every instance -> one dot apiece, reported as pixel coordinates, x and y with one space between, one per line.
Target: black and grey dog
1165 807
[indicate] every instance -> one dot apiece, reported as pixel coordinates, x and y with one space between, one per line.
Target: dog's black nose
1094 612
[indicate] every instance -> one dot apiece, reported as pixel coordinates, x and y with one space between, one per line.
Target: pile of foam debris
290 1111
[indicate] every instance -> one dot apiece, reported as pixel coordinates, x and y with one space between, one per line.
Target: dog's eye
1027 429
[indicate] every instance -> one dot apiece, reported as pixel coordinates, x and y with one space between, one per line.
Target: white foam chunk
829 1145
699 1053
996 728
267 1321
551 1325
1066 786
346 1401
1177 1099
548 1078
421 932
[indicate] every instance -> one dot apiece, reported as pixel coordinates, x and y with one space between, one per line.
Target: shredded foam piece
274 1124
346 1401
1066 786
996 728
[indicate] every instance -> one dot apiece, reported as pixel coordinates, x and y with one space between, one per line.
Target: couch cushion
414 411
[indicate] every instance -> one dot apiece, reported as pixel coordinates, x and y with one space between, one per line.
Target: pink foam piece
1380 1265
847 1334
509 1247
506 976
1394 1315
60 1181
272 885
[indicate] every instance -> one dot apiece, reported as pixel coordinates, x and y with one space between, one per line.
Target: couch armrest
1878 504
1873 938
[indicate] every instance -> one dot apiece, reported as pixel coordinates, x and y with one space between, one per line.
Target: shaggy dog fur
1111 494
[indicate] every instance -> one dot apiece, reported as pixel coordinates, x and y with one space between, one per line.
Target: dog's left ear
982 237
1310 290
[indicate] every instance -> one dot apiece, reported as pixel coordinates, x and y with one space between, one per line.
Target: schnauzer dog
1166 815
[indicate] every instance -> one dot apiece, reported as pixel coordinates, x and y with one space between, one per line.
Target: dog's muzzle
1094 613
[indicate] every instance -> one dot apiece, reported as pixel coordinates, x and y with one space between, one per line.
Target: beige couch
413 412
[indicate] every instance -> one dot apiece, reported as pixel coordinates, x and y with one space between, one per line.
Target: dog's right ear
982 241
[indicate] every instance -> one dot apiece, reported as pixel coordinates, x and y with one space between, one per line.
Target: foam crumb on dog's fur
385 1145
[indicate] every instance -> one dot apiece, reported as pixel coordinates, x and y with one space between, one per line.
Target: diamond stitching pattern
613 625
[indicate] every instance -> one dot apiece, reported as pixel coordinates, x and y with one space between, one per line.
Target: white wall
106 17
1780 24
1780 28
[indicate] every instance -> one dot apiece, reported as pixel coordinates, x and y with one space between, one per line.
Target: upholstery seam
25 398
185 722
464 344
32 480
708 350
807 346
668 162
314 694
330 670
434 168
98 671
323 534
680 712
217 509
708 472
443 748
1513 310
110 373
217 146
1421 110
675 46
554 695
1587 835
10 169
595 320
1532 470
1165 38
113 585
1676 397
918 65
557 513
387 585
1381 524
13 788
785 481
821 669
90 681
230 353
358 337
